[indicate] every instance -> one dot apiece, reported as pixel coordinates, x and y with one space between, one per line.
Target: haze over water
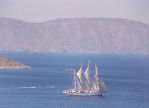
126 77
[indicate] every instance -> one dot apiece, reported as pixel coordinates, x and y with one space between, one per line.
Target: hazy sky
43 10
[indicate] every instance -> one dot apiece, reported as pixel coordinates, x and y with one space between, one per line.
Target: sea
126 78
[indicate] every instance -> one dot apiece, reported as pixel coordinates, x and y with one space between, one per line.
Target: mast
87 75
75 84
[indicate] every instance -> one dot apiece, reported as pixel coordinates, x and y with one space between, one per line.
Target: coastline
18 67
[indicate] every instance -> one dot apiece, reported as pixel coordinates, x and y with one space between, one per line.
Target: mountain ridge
75 35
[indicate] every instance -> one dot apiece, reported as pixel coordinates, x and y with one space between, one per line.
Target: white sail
79 74
79 85
102 86
94 86
87 75
96 77
96 72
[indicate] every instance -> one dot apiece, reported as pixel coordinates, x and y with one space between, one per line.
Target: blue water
126 76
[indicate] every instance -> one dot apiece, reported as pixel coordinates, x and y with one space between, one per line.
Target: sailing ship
83 85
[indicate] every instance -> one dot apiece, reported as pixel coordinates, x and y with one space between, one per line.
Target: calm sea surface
126 76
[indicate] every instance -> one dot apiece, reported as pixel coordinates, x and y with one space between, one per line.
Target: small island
6 63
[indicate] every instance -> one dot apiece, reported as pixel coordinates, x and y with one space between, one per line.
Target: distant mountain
6 63
77 35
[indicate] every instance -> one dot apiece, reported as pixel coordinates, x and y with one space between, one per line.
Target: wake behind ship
83 85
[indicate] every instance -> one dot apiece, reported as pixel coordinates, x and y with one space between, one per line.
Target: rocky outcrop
6 63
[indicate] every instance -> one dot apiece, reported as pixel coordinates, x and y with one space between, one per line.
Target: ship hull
82 94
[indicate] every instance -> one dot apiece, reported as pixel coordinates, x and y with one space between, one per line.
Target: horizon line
75 18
